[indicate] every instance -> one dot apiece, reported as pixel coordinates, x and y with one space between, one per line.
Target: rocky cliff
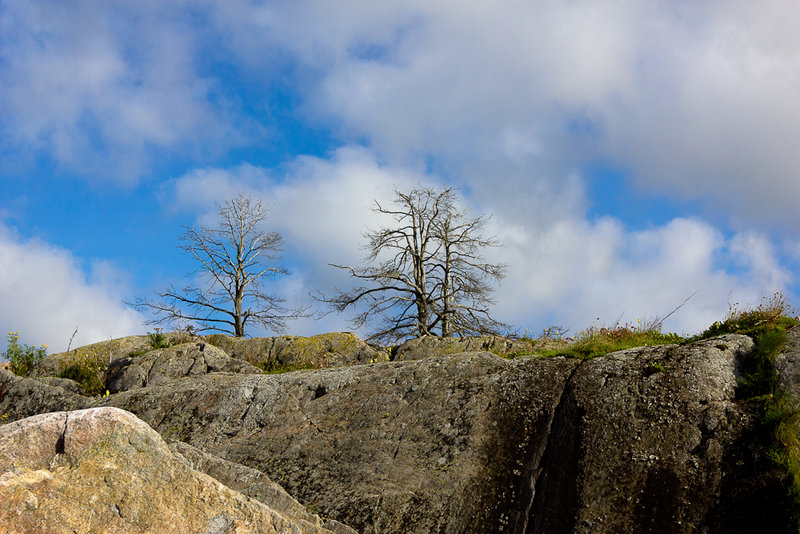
652 439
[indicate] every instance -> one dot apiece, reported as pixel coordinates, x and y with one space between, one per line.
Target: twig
71 338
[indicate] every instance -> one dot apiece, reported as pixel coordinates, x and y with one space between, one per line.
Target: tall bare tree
234 258
424 272
462 281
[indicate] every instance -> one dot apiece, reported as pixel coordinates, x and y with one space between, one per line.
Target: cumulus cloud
46 293
694 100
104 88
574 274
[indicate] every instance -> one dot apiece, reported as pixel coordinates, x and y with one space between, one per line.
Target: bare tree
234 258
424 272
463 280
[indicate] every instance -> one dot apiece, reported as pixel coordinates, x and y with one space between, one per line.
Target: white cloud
573 273
46 293
695 100
105 87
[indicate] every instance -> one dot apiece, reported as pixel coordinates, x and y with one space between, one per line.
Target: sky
630 154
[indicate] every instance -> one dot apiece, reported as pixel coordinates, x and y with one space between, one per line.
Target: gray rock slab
104 470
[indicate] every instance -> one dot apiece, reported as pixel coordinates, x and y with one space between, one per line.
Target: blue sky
630 153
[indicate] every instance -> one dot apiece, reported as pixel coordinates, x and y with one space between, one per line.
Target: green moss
653 368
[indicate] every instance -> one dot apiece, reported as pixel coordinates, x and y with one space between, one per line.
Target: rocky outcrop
164 365
103 352
104 470
652 439
423 446
334 349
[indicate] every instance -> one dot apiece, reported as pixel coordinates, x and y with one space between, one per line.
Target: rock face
644 440
431 445
104 470
23 397
252 483
163 365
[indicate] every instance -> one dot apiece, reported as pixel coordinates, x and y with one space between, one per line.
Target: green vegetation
779 412
159 340
653 368
87 367
22 358
600 341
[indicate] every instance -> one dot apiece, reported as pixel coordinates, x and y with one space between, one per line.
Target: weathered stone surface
334 349
442 444
426 347
644 440
104 470
639 449
252 483
22 397
104 352
163 365
787 364
63 383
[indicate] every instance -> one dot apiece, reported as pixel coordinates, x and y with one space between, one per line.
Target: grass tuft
596 341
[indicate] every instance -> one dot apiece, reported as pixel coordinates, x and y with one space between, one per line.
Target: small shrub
158 340
600 341
772 312
218 340
653 368
86 368
22 358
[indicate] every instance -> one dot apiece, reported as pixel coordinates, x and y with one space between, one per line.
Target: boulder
334 349
787 364
653 439
105 470
163 365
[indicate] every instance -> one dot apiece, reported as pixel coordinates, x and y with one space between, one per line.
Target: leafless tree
234 258
424 272
462 280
